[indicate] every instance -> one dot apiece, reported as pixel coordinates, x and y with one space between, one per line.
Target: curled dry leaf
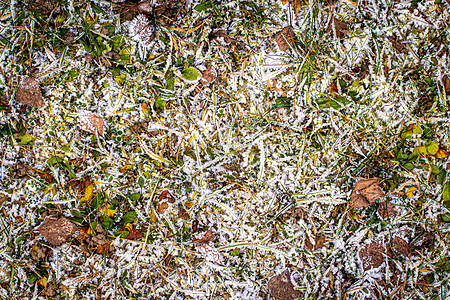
209 75
204 237
285 38
372 255
401 246
281 287
56 231
385 210
366 193
398 45
29 92
90 122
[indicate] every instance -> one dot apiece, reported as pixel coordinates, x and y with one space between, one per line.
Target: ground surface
224 150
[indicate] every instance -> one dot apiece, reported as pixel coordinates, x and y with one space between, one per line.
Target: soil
29 92
281 287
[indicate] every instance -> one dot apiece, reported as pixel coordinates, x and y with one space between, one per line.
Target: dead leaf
166 196
183 214
446 83
90 122
366 193
29 92
319 242
401 246
209 75
339 26
281 288
56 231
49 290
385 210
134 234
162 207
99 237
39 252
284 2
296 5
333 88
423 240
398 45
285 38
204 237
221 36
372 255
102 248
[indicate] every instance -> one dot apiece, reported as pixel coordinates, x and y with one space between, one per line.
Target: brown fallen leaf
296 5
204 237
423 240
398 45
221 36
166 196
366 193
56 231
90 122
446 83
319 242
183 214
401 246
372 255
39 251
285 38
162 207
339 26
209 75
29 92
281 288
385 210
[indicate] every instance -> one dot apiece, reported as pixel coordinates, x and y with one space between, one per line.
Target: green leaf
417 129
25 139
445 217
283 102
408 166
441 176
447 204
191 74
107 222
336 103
116 42
54 160
161 104
203 6
120 79
123 233
406 134
135 196
446 192
432 148
125 55
141 181
170 81
129 217
97 201
435 170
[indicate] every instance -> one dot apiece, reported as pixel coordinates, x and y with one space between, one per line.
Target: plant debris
401 246
385 210
56 230
422 241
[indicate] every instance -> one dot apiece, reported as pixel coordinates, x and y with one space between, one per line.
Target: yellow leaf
284 2
129 227
423 150
43 281
442 153
107 211
153 217
410 191
88 192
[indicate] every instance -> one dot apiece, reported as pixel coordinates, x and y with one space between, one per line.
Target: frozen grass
266 156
